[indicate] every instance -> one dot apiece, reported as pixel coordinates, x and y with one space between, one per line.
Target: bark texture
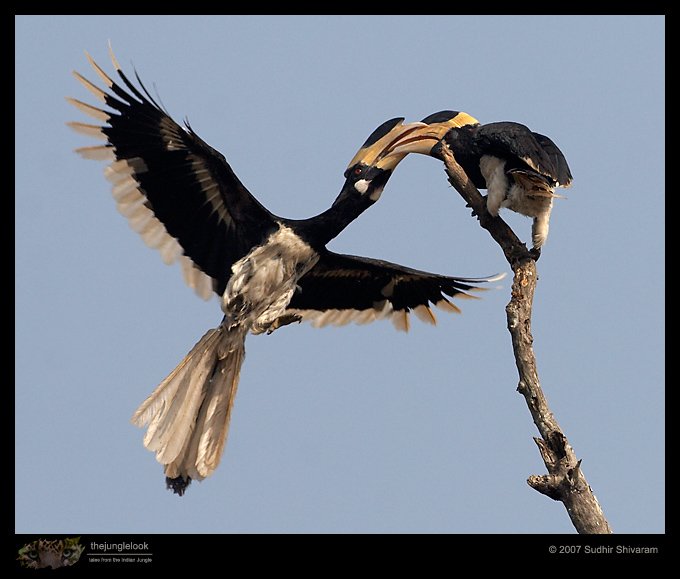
565 481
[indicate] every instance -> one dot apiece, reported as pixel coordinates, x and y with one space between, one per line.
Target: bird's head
433 129
371 167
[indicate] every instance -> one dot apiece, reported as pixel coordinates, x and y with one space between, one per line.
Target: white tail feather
188 414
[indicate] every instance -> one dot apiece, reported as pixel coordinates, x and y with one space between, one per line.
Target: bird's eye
355 171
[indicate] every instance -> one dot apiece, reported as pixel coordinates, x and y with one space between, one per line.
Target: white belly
263 282
493 171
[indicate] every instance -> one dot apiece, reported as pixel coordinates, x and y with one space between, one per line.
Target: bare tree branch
565 481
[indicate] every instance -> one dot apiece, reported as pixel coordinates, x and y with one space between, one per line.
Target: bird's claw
535 253
283 321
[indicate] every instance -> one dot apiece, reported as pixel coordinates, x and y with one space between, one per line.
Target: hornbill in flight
184 200
519 169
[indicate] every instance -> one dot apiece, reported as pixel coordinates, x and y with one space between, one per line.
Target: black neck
319 230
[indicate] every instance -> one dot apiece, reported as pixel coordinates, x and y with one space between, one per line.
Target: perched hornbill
520 169
183 198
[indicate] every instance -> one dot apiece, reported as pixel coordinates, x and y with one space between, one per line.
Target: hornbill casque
184 200
519 169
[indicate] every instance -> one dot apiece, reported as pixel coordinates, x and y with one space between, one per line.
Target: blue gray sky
352 429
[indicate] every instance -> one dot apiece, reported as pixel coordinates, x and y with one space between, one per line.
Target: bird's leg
283 321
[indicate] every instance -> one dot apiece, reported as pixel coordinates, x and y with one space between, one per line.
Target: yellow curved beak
379 148
431 130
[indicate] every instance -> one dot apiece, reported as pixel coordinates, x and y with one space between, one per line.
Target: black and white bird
519 169
184 200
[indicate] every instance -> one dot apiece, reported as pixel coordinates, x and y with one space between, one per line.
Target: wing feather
176 191
531 149
344 288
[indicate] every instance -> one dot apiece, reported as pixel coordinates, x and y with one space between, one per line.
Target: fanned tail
188 414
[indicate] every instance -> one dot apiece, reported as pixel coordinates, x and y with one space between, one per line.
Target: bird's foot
535 253
474 211
283 321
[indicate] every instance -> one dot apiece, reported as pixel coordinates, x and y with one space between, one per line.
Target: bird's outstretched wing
176 191
343 288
